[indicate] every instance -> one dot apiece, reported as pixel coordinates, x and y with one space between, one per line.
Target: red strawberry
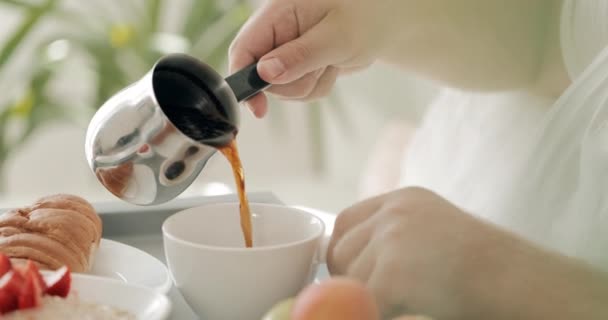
31 293
31 270
8 302
11 282
59 282
5 264
10 286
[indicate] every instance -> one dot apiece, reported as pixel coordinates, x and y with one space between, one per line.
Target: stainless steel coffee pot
151 140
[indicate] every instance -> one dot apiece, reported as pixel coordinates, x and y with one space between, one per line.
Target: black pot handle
246 83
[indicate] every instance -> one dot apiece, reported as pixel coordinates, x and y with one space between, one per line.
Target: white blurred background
280 153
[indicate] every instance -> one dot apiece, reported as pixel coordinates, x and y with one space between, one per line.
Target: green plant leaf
34 15
101 11
218 34
34 114
17 3
4 116
219 55
153 7
110 80
104 59
209 24
59 14
43 110
134 10
201 13
315 123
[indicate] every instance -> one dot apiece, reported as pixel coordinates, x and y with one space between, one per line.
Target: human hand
303 45
415 251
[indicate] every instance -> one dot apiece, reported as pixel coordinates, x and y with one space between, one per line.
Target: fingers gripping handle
246 83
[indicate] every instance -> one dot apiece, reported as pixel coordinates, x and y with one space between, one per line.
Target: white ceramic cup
221 279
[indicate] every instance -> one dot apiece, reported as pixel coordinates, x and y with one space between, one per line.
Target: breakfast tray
140 227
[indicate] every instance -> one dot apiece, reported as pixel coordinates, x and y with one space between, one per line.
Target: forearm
471 44
524 282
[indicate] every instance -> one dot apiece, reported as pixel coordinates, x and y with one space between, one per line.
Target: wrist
513 279
498 268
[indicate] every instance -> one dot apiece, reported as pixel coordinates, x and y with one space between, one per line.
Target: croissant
55 231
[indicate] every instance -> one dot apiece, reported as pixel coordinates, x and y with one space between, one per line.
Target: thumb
319 47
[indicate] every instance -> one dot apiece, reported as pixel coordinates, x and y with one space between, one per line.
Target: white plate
145 303
131 265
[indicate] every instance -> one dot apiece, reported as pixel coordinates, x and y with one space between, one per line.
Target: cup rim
319 234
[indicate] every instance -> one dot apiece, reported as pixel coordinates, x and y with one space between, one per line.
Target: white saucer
131 265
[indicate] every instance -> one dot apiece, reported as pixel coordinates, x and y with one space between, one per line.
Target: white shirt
534 166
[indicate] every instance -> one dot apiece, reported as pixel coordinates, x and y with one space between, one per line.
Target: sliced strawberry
5 264
12 282
59 282
31 293
31 270
10 286
8 302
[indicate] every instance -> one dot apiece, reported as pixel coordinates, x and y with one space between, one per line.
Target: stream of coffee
198 114
231 153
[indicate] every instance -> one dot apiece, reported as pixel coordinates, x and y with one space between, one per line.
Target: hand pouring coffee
149 142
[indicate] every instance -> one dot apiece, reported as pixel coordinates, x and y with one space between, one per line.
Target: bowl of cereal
27 293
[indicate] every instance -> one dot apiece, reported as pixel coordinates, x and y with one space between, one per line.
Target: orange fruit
335 299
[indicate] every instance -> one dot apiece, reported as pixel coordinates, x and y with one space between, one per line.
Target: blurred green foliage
120 50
